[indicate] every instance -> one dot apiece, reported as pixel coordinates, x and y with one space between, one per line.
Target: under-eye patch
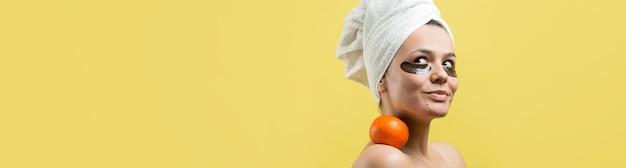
424 68
450 70
419 68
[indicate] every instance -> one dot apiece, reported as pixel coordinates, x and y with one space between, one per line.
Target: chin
438 111
436 114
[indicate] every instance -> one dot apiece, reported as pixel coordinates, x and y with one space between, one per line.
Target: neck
418 137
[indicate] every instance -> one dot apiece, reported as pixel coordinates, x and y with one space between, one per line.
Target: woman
403 51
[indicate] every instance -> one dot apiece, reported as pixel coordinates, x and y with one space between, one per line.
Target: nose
438 75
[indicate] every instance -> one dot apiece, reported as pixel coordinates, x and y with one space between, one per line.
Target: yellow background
256 84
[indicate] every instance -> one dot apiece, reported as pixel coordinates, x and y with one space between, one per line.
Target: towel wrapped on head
373 33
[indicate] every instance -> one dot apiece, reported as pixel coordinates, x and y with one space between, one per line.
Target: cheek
454 84
410 85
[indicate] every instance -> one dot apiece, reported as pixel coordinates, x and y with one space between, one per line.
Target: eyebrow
428 52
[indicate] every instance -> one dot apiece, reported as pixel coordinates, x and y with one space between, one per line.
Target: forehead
427 37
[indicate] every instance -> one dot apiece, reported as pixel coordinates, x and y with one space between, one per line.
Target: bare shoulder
449 153
380 156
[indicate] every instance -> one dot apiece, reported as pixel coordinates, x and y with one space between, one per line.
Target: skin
417 96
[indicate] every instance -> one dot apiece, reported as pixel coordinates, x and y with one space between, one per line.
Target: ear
382 86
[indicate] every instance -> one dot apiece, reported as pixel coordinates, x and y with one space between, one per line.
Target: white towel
373 33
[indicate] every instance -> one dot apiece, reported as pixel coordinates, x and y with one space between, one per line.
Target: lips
438 95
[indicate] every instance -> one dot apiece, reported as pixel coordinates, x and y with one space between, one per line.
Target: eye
421 60
449 67
448 64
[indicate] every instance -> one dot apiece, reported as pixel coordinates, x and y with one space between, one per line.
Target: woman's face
421 79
